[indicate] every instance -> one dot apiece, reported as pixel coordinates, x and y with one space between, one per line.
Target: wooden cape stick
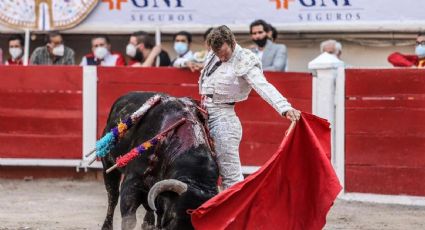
291 127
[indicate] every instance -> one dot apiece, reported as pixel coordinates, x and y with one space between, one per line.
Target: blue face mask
180 47
420 50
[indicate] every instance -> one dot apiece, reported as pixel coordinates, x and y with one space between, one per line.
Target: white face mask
100 52
15 52
58 50
131 50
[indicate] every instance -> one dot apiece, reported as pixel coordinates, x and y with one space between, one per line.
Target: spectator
273 56
272 34
198 59
143 52
101 53
16 45
417 60
331 47
182 41
54 52
200 56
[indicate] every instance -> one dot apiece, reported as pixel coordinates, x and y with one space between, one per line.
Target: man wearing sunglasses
417 60
229 75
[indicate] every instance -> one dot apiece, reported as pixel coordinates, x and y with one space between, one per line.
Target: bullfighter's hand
293 114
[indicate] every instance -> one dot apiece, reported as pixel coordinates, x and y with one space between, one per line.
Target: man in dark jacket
273 56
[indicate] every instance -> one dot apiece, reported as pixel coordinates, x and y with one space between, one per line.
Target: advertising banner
239 13
130 15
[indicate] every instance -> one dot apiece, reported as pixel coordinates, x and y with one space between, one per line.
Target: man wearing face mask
230 74
101 53
143 51
273 56
418 60
54 52
182 41
16 44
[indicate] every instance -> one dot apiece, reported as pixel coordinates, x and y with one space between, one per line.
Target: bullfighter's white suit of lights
221 86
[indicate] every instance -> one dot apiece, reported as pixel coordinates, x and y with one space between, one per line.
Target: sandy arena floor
67 204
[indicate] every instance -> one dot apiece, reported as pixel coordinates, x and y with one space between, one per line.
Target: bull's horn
162 186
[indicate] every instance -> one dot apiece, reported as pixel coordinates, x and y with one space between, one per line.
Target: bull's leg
112 182
131 198
149 221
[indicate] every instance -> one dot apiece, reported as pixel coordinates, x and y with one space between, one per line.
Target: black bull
184 156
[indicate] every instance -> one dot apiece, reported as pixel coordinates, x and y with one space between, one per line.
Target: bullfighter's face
224 53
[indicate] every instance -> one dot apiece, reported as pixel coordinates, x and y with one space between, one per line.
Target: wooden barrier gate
41 115
385 131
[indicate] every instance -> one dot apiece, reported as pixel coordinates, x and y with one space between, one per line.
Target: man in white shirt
185 59
331 47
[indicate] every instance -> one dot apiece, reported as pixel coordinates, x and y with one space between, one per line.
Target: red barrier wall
41 107
385 141
41 117
263 128
40 112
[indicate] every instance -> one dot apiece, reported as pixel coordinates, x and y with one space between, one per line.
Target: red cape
294 190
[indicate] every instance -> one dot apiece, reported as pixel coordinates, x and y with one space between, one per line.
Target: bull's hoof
107 226
146 226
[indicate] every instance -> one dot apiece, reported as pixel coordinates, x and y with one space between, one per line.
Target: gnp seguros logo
321 10
154 11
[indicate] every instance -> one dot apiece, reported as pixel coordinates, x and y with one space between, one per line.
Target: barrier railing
49 116
385 131
77 101
40 115
378 133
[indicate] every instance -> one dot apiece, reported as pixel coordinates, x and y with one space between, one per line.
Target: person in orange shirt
417 60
